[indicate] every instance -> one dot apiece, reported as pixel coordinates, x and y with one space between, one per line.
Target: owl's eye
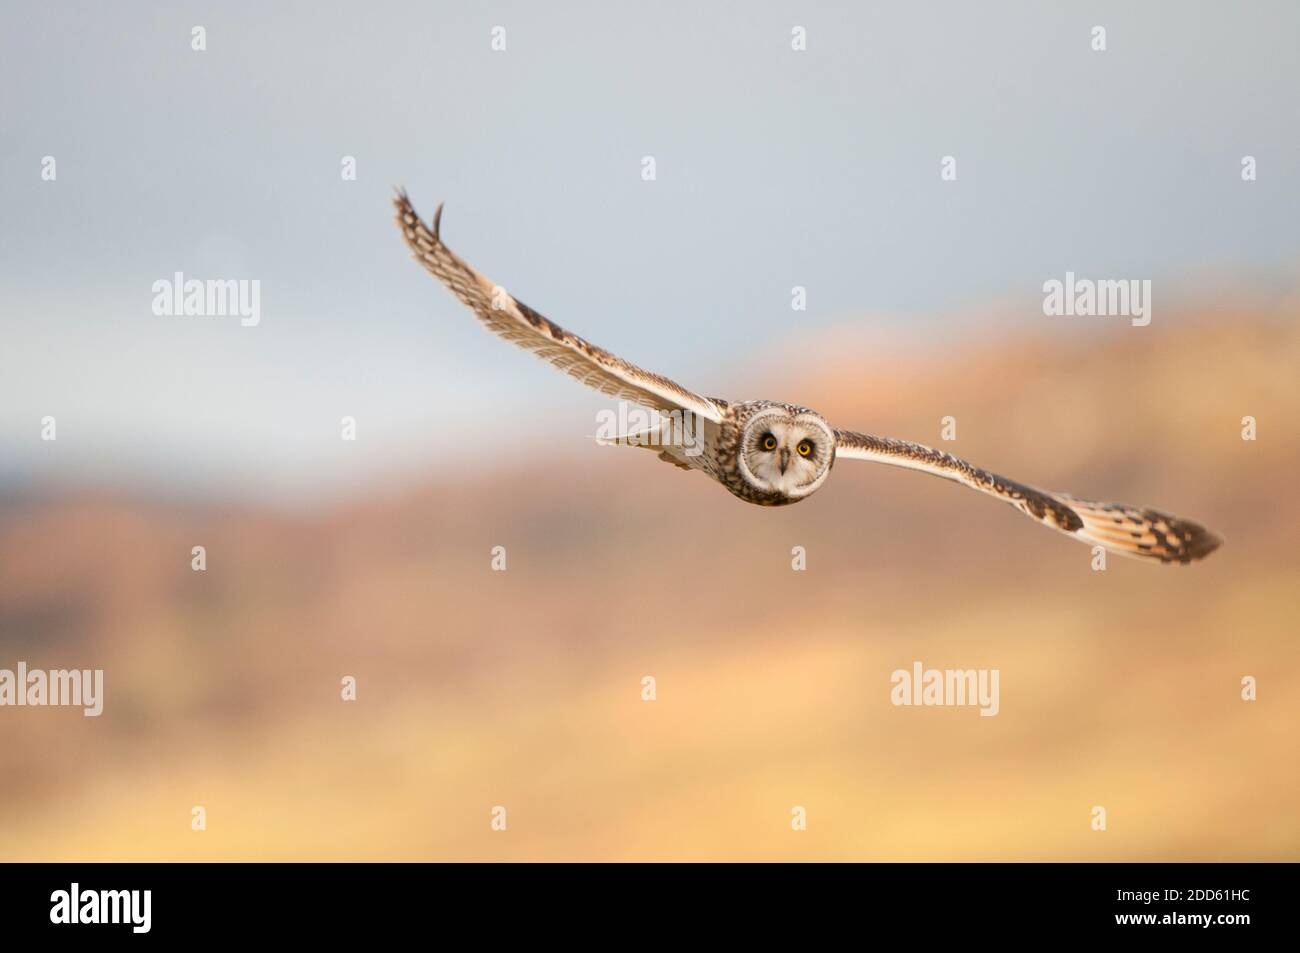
769 442
804 448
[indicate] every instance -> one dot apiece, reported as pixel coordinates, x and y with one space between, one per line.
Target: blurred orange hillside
523 688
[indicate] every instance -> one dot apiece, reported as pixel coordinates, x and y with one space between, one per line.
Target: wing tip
1146 534
1198 541
402 202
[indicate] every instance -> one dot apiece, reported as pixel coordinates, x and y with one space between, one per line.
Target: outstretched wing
512 320
1128 530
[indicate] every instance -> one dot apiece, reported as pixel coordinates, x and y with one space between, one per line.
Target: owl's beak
785 458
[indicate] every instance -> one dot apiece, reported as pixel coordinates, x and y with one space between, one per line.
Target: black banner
87 903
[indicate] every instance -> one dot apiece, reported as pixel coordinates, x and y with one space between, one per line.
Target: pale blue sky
775 168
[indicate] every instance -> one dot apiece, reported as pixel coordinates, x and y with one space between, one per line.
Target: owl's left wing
1128 530
512 320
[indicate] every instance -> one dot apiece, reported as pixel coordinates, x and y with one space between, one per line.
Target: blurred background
774 168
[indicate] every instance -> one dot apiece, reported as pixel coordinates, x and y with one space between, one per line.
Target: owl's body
722 450
771 453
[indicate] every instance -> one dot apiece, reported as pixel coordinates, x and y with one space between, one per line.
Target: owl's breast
751 494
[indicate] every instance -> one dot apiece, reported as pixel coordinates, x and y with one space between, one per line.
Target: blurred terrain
523 688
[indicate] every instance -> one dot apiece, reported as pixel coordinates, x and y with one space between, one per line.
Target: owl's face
789 454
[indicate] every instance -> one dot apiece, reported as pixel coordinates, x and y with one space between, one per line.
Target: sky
774 167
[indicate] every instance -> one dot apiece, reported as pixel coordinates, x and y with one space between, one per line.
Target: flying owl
773 453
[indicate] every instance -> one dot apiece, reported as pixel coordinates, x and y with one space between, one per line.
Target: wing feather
513 321
1127 530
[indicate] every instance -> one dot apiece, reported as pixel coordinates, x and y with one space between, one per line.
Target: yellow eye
769 442
804 448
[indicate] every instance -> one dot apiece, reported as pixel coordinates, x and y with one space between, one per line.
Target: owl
768 452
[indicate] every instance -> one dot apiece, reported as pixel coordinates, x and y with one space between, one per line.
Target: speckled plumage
722 450
772 453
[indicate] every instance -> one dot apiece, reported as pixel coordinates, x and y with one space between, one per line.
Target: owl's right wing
512 320
1127 530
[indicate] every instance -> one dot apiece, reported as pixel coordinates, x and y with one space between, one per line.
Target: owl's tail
1141 533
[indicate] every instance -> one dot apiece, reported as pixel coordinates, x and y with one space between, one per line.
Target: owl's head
786 453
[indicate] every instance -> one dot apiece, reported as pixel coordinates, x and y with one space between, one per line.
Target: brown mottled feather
512 320
1127 530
